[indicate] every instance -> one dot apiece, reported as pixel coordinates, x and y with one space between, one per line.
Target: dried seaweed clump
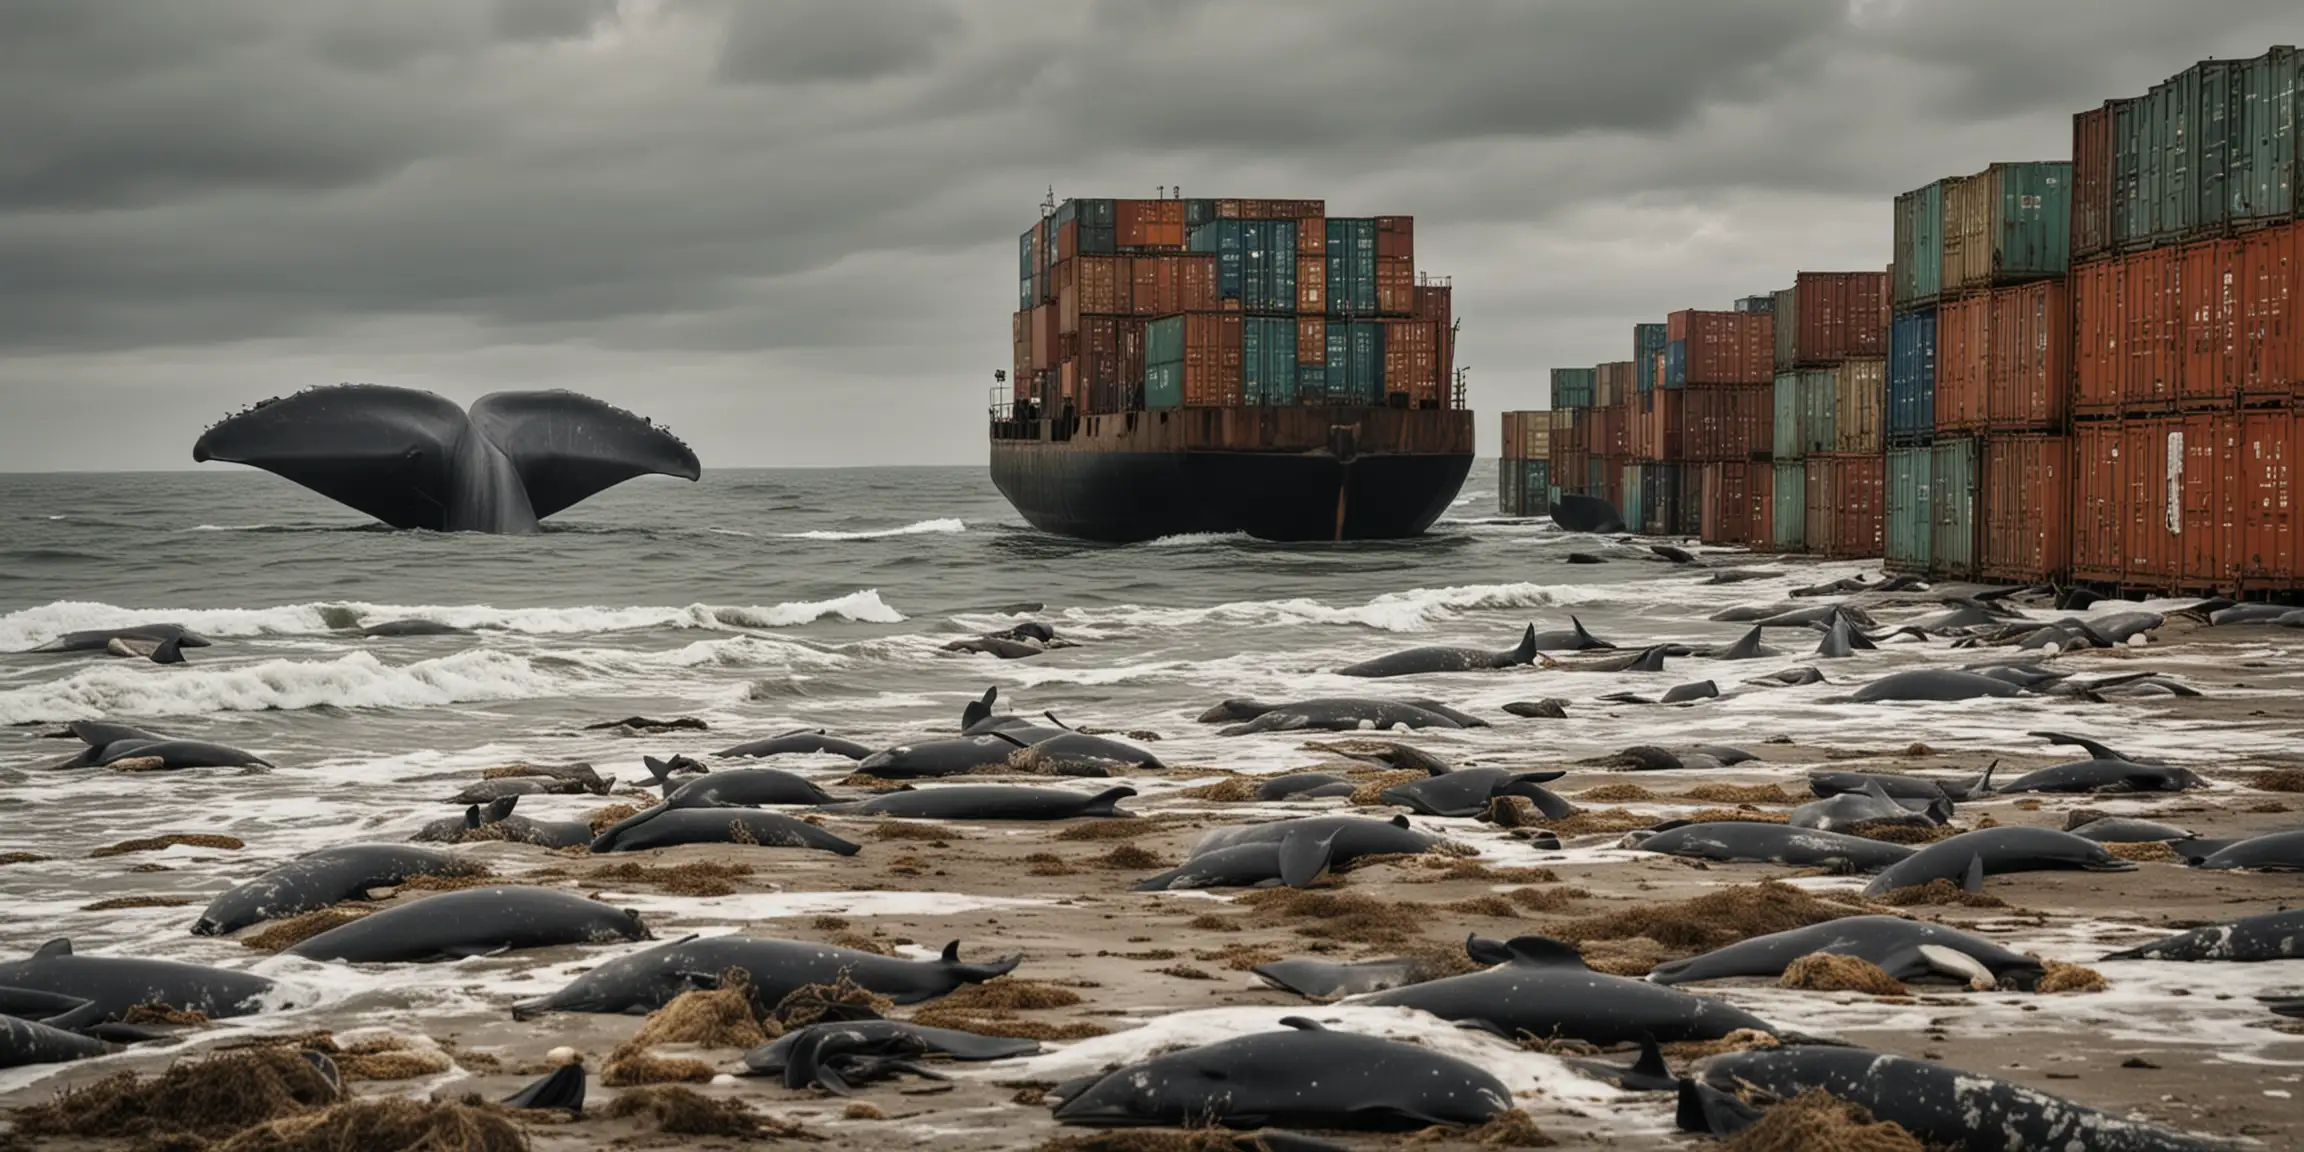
645 1068
810 1003
913 830
1372 786
722 1017
209 1098
2142 851
1618 794
171 840
1343 916
1631 956
1594 821
601 818
1123 829
1941 891
1130 858
2063 977
1816 1121
683 1112
1742 794
1230 790
697 878
2284 780
386 1122
1713 920
1510 1129
1830 972
990 1009
285 934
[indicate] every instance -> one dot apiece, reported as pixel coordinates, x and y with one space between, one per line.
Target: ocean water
764 600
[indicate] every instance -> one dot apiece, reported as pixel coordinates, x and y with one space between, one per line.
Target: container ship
1258 366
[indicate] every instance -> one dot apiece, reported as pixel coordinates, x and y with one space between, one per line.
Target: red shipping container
1841 316
2031 357
1619 431
1099 364
1311 340
1963 363
2025 500
2091 182
2271 337
2151 318
1312 236
1211 360
1045 354
1738 501
1020 341
1411 361
1156 224
1591 436
1067 240
1435 302
1166 285
1725 347
2099 500
1661 426
1093 286
2210 272
1131 338
1846 501
1396 238
2208 543
1728 423
1312 284
2151 512
2264 501
2096 355
1395 285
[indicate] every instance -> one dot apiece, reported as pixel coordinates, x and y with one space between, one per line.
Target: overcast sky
787 229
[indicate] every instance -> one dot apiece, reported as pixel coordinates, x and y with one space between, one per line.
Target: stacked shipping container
1133 304
1828 406
1524 476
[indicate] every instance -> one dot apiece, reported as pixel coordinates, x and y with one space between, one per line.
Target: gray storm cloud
788 228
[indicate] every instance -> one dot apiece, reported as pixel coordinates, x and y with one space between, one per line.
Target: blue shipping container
1912 377
1676 364
1267 360
1312 383
1648 341
1351 266
1268 266
1355 362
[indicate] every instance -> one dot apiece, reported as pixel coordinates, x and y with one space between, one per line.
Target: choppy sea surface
760 601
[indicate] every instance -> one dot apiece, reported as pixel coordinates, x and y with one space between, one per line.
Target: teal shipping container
2212 148
1571 387
1910 531
1355 362
1164 385
1267 360
1511 487
1164 340
1098 212
1918 251
1524 487
1635 506
1648 342
2008 224
1198 212
1806 406
1596 477
1312 382
1024 250
1255 263
1351 266
1791 528
1224 238
1952 474
2267 164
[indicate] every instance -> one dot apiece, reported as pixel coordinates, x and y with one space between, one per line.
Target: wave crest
924 527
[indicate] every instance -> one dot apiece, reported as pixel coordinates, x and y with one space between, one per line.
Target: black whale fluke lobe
415 460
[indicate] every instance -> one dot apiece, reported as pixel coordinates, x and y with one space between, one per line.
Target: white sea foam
358 680
922 528
1414 610
34 626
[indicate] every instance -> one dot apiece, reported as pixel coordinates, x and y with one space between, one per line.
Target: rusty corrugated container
1412 361
1150 225
2272 314
2096 288
1802 413
1351 266
1163 285
1709 348
2179 479
1130 335
1789 523
2210 546
1044 344
1729 423
1613 382
2027 498
1953 470
2209 276
1827 317
2210 151
1093 286
1738 502
1906 528
1844 505
1918 257
1661 427
1648 341
2092 182
1619 426
1963 364
2030 363
1193 360
2099 500
2264 500
1096 369
1574 388
1859 406
2008 224
2151 319
2151 501
1020 341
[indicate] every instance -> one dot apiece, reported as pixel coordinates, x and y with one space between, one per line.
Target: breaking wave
359 680
34 626
1414 610
922 528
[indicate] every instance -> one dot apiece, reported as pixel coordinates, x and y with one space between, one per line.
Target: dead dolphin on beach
1969 857
1905 949
1427 660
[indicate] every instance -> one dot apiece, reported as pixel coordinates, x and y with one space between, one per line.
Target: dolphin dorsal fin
1651 1061
1401 822
1302 1024
1973 881
472 817
1482 950
1542 950
1527 649
500 809
60 946
1303 858
951 953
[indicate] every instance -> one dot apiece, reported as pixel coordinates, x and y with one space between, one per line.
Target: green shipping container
1267 361
1648 341
2267 164
1791 529
1510 487
1910 531
1312 383
1572 387
2008 224
1164 341
1356 362
1819 411
1918 252
1164 385
1952 474
1785 303
1351 266
1633 494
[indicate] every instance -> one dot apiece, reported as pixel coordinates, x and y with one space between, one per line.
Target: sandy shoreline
2200 1054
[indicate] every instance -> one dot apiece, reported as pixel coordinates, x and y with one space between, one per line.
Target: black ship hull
1371 474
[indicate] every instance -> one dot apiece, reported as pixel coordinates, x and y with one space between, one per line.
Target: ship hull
1279 474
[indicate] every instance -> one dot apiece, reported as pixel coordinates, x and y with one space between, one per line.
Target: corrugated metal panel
1648 341
1826 317
1919 247
2030 374
1963 364
1790 526
2209 277
2272 313
1787 409
2099 494
2211 149
1411 361
1351 266
1728 423
2267 162
1859 400
1164 385
2151 325
1819 411
1952 476
1633 509
1785 303
2007 224
2026 492
2096 288
1356 362
1267 360
1844 505
2151 502
1908 530
1571 387
2092 182
2264 503
1722 347
1912 377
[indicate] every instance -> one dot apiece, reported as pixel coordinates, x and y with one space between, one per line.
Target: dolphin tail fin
1106 803
170 651
1940 810
1526 652
976 973
1304 857
1059 723
1651 1062
568 448
472 817
661 770
1710 1111
60 946
562 1090
1984 783
387 452
979 709
499 809
1973 880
